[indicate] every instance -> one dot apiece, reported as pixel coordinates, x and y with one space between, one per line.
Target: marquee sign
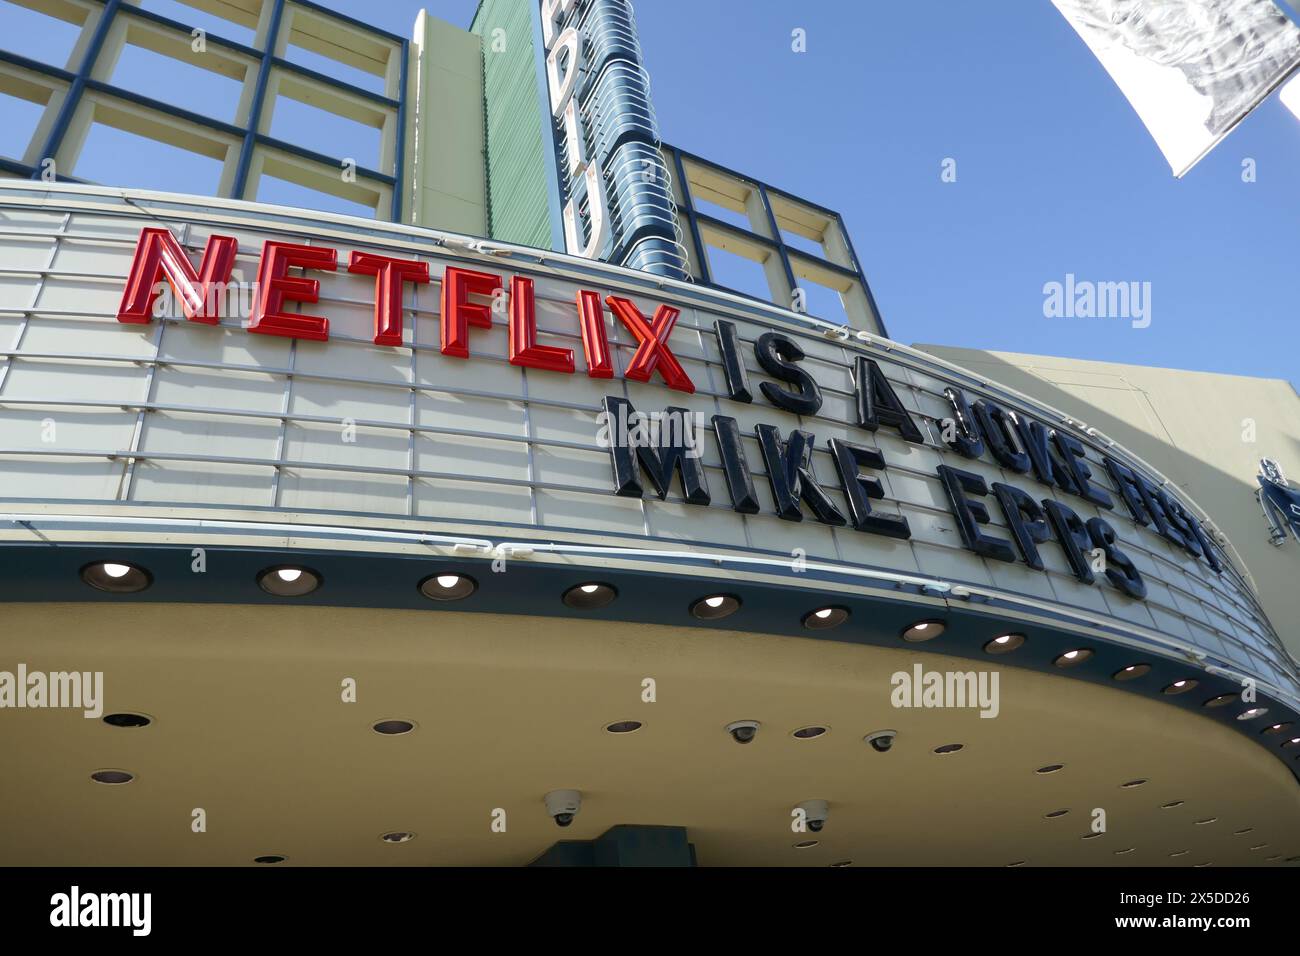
613 181
1034 450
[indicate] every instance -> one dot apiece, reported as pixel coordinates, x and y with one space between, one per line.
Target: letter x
653 351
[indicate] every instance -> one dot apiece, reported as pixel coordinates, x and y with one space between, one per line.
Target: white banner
1192 69
1290 97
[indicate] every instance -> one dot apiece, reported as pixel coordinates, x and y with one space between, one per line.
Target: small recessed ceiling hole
1017 863
1181 686
1180 853
842 863
806 845
1252 713
391 728
1199 865
1259 846
448 587
1131 784
116 577
923 631
825 617
623 726
127 720
112 776
715 607
1223 700
1005 643
1273 859
288 581
1053 814
948 748
1201 823
1090 836
1127 849
1276 728
808 733
1132 672
1243 831
1070 658
398 836
588 597
1171 804
1051 768
272 858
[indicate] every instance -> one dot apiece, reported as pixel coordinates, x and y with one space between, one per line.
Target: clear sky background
1055 173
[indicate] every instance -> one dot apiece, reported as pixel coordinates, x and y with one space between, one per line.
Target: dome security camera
881 740
563 806
743 731
815 814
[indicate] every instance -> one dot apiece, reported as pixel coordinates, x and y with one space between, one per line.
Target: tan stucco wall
444 135
1193 426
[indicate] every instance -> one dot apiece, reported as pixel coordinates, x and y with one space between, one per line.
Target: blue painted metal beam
701 253
399 145
73 98
259 95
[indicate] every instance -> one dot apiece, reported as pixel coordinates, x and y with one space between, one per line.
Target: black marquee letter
859 489
789 470
1035 438
739 482
733 369
1072 452
971 513
1120 569
1026 520
966 441
778 355
659 462
1073 536
878 403
999 433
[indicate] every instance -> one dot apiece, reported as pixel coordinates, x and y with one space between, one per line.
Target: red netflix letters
468 301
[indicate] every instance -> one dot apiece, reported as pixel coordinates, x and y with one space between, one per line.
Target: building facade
492 529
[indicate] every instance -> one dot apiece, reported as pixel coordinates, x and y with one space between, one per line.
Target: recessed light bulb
714 601
1003 639
1180 683
823 613
117 570
448 580
1071 655
288 575
589 588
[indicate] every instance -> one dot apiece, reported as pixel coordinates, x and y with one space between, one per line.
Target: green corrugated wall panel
519 200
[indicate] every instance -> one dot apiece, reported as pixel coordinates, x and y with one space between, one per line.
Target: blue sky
1055 173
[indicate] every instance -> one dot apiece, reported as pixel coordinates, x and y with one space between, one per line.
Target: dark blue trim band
73 98
255 110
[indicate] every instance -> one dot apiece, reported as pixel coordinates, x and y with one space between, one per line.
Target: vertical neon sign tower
614 186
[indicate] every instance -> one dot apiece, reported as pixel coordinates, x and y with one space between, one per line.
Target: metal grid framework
771 214
534 460
78 94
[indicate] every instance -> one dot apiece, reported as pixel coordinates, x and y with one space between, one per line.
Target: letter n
158 254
